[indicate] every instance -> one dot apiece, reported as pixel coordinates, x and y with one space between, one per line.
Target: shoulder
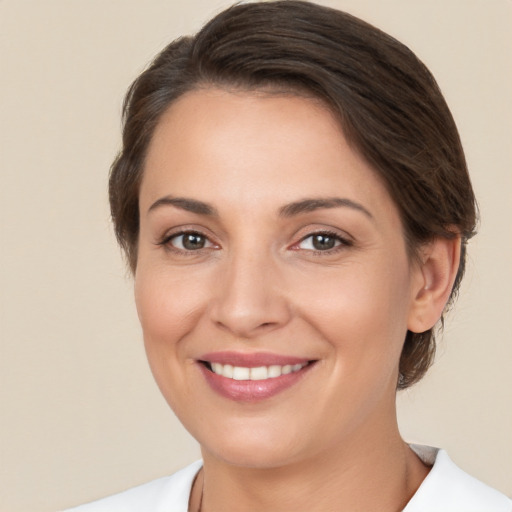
449 489
169 493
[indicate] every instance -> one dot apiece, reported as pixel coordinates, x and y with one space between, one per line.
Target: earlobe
436 274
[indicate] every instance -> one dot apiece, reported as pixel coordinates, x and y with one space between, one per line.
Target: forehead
258 148
220 122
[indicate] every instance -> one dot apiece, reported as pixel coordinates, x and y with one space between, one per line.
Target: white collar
449 489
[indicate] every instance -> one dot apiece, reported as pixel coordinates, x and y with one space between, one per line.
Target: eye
322 242
189 241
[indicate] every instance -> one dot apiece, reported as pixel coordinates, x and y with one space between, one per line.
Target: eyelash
166 242
342 243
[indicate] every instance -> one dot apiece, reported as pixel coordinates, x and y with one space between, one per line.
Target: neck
366 473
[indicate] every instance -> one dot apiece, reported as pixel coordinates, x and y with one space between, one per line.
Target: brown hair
387 102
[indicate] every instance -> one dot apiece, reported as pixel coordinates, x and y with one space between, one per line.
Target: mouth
252 377
255 373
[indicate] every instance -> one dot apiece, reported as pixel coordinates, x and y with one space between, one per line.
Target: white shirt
445 489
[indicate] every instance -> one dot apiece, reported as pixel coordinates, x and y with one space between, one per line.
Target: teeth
241 373
259 373
275 371
227 370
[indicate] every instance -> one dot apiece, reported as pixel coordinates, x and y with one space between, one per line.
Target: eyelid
166 239
177 236
344 241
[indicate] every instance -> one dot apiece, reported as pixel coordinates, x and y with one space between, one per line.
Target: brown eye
322 242
190 241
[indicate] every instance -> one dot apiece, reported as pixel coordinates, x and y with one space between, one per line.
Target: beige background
80 414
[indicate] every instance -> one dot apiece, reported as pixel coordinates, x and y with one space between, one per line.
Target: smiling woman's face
270 252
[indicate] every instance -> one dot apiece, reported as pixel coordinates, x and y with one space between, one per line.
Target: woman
294 203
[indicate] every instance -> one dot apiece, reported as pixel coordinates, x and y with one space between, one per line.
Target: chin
252 446
252 455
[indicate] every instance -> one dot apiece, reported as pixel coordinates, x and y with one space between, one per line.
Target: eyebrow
309 205
288 210
185 203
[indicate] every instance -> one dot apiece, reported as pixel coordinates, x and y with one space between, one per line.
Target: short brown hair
387 102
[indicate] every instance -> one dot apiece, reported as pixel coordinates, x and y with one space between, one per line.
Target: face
273 283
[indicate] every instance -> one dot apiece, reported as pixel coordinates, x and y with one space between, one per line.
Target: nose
250 299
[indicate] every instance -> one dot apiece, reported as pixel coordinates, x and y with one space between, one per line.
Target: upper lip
251 360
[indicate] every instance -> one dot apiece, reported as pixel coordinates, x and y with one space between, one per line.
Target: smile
252 377
259 373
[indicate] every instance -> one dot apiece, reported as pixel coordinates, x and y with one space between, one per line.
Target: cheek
361 310
168 308
168 311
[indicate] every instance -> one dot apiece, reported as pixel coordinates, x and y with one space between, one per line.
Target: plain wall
80 415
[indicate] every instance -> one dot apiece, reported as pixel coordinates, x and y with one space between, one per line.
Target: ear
436 271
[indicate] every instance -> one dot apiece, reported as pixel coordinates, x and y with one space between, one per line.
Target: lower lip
252 390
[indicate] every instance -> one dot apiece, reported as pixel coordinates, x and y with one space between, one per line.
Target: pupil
323 242
192 241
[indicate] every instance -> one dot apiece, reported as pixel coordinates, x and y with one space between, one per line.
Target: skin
331 441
